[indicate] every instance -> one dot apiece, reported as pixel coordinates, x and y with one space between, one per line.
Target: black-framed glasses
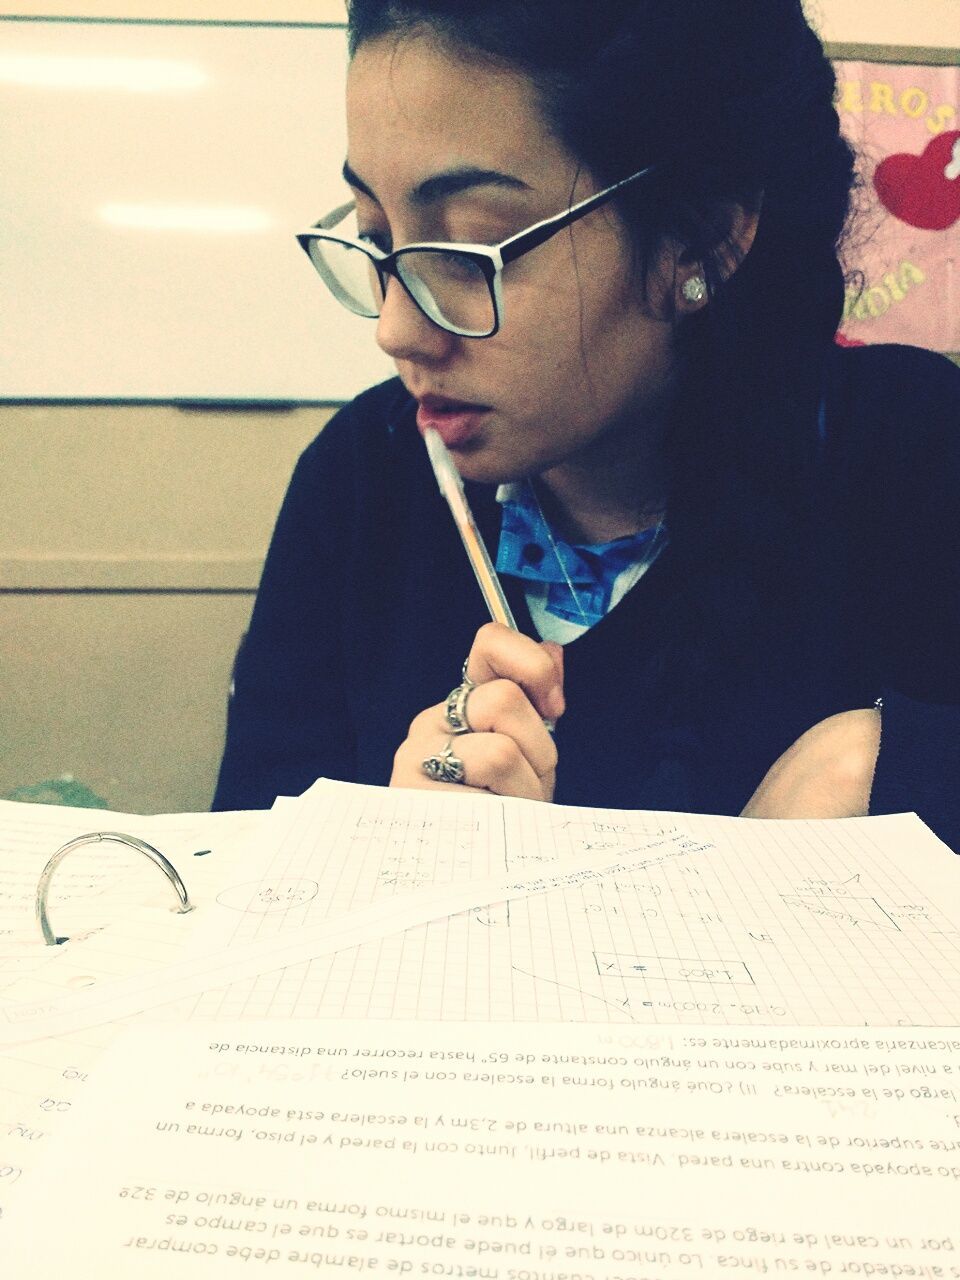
457 286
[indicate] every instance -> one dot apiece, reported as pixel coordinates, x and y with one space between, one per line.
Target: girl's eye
376 239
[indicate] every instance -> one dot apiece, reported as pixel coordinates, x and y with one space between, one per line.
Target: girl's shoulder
895 375
893 402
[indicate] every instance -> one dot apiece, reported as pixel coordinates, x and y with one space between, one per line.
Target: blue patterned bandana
526 551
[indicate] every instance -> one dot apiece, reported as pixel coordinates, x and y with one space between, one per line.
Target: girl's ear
678 280
738 241
735 242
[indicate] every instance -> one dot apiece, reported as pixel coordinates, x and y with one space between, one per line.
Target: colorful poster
905 239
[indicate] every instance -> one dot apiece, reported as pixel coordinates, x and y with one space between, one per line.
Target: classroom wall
185 10
916 23
131 542
131 536
898 22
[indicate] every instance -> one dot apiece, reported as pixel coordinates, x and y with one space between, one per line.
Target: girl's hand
509 751
827 773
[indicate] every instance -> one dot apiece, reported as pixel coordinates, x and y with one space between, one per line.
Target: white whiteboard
105 126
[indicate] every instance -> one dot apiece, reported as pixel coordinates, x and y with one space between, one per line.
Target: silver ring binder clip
141 846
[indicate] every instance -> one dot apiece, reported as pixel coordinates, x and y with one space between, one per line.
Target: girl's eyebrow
448 183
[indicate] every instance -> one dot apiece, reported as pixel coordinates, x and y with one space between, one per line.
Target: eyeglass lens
451 288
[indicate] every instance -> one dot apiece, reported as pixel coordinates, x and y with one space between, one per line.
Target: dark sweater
684 694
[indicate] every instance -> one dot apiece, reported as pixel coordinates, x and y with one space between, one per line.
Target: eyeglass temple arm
525 240
330 220
542 231
337 215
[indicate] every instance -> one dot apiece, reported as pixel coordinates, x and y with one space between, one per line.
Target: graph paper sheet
719 919
51 1008
729 920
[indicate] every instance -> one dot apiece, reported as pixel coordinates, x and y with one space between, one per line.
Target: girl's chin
485 463
488 458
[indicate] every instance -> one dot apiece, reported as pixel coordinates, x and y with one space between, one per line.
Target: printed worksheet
505 1152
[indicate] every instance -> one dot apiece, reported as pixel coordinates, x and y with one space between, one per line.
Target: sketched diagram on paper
843 902
717 924
624 939
475 965
710 930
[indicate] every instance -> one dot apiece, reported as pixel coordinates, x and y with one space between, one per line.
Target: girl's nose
405 333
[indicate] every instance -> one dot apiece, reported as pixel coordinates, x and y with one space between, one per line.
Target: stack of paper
384 912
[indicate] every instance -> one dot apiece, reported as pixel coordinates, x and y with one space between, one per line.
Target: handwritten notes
399 904
508 1152
715 919
201 971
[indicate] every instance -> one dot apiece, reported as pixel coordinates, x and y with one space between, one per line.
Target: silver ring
445 766
455 713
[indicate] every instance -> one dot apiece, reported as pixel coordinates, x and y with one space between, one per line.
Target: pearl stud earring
695 289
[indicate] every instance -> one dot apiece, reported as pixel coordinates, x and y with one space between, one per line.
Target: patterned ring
455 713
445 766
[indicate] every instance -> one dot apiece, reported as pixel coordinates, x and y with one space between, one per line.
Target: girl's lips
456 424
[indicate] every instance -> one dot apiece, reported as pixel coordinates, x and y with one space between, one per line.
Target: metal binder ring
141 846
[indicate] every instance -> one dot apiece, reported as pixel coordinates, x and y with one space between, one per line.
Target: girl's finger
500 653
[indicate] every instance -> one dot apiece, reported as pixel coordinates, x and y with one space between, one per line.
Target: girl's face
580 358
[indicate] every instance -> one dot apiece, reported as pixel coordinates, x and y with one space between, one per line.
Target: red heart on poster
924 190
